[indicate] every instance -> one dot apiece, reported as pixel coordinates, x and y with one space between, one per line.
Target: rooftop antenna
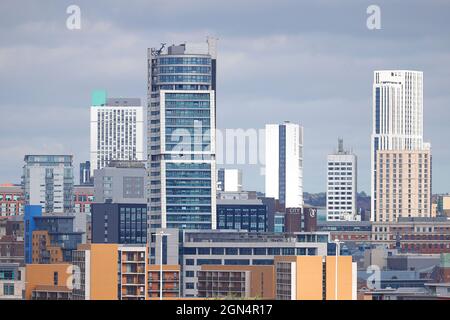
340 145
159 51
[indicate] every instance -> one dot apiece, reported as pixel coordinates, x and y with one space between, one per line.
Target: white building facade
284 163
397 118
229 180
48 181
117 131
341 185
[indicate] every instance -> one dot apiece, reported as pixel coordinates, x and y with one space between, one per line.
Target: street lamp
338 249
161 234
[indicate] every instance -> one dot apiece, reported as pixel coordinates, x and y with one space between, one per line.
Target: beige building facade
403 184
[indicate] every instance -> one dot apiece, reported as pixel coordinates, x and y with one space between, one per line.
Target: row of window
246 251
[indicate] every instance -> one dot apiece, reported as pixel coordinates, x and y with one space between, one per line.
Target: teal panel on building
99 98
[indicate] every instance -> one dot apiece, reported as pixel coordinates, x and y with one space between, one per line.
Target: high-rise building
229 180
403 184
85 173
397 127
48 181
341 184
284 163
117 130
181 136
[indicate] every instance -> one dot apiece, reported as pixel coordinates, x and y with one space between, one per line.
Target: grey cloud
306 61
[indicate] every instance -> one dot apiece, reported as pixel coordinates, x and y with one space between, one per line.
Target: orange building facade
313 278
48 281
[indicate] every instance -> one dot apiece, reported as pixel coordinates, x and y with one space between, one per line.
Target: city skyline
312 63
203 137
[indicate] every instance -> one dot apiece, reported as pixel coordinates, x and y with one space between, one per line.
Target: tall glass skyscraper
181 136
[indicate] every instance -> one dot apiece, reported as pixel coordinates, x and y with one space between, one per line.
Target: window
55 278
218 251
189 274
189 285
259 251
203 251
245 251
8 289
189 262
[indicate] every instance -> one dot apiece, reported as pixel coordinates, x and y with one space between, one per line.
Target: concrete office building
284 163
341 185
397 127
120 182
48 181
117 130
170 246
119 214
11 200
314 278
227 248
229 180
181 136
403 184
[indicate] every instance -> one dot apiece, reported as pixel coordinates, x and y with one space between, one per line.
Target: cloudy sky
309 62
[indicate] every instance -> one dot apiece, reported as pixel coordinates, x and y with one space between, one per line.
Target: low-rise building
12 281
348 231
48 281
83 197
415 235
314 278
171 276
118 271
237 282
11 200
249 214
227 248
